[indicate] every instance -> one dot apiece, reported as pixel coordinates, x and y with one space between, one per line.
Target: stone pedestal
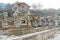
0 24
17 24
4 24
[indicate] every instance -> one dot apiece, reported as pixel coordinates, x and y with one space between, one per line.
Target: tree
37 6
34 6
8 8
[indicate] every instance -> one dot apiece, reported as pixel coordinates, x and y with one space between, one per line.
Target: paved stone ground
56 36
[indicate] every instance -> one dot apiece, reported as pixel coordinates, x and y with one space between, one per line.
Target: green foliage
58 14
1 10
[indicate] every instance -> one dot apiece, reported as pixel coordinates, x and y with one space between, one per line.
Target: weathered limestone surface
37 36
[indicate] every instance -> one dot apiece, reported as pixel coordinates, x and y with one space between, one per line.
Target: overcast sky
46 3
